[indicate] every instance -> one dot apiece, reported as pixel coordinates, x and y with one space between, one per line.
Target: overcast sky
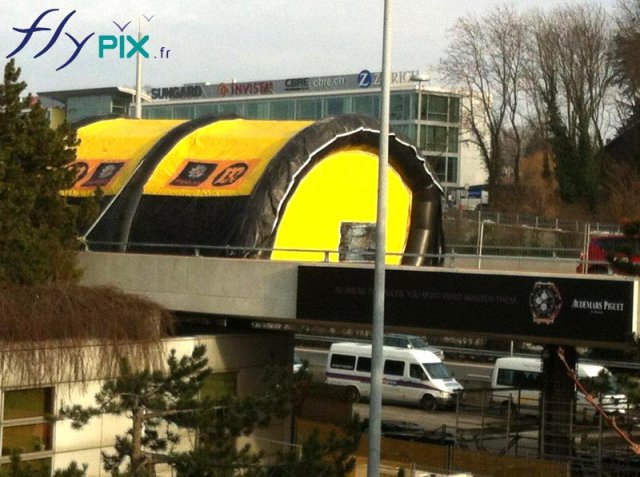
219 40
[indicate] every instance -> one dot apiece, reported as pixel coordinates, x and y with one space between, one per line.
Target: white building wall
245 354
472 168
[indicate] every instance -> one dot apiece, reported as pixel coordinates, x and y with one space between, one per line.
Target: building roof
64 95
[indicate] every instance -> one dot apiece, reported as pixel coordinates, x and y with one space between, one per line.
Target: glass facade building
412 106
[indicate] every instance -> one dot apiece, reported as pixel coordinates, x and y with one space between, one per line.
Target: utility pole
138 114
375 402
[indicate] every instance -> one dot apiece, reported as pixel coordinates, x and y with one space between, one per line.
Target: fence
572 435
493 233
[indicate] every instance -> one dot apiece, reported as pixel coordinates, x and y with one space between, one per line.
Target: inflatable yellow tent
226 186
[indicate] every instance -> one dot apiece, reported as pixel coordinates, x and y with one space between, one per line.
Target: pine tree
219 422
37 227
149 399
171 400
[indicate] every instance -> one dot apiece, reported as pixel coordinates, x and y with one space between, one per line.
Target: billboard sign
559 309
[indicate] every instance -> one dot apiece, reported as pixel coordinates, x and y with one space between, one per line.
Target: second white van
410 376
521 379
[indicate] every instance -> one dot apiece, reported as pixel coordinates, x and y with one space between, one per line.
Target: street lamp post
419 78
377 326
138 113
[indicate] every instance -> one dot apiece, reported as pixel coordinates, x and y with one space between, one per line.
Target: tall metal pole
138 114
375 403
419 116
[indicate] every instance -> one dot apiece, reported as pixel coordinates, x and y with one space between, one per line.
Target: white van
523 377
412 376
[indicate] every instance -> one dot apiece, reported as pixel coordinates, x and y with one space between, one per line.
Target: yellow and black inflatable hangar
227 186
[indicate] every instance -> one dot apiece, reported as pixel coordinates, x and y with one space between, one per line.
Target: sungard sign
176 92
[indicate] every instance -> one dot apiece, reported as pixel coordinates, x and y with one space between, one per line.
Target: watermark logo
111 42
45 27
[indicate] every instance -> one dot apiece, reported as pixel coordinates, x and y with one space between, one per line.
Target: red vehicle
611 254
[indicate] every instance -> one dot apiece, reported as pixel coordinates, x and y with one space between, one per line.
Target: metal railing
528 220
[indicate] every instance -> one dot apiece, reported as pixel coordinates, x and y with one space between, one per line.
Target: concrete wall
206 285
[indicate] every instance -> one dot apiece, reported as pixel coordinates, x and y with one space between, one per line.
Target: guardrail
537 254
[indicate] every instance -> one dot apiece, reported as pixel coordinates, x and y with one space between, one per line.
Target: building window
158 113
436 138
424 101
453 137
406 130
184 112
368 105
437 108
25 427
309 108
41 466
400 106
205 110
438 166
337 106
282 109
257 110
445 168
452 170
219 386
230 108
454 110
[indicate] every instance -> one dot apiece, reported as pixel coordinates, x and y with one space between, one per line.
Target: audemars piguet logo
598 306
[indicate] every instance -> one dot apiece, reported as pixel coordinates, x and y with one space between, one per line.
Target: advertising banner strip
110 151
558 309
225 158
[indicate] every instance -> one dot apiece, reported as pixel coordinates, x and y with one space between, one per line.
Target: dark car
410 341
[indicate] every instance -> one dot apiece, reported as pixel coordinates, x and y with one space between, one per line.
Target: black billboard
523 307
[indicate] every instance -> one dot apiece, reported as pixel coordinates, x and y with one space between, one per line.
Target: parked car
611 254
410 342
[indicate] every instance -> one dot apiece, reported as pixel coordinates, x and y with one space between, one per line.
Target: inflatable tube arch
275 189
113 227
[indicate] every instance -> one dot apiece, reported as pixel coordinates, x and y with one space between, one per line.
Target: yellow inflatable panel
110 151
225 158
341 188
